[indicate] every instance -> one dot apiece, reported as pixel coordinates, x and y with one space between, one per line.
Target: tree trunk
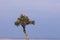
26 36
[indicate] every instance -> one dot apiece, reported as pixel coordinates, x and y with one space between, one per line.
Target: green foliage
32 22
17 23
23 20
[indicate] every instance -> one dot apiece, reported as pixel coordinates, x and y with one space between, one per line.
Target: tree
23 21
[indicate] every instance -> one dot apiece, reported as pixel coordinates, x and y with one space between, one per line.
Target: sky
45 13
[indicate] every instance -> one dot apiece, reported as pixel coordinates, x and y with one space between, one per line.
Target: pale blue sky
46 14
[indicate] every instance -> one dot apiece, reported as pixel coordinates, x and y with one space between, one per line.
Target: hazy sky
46 14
